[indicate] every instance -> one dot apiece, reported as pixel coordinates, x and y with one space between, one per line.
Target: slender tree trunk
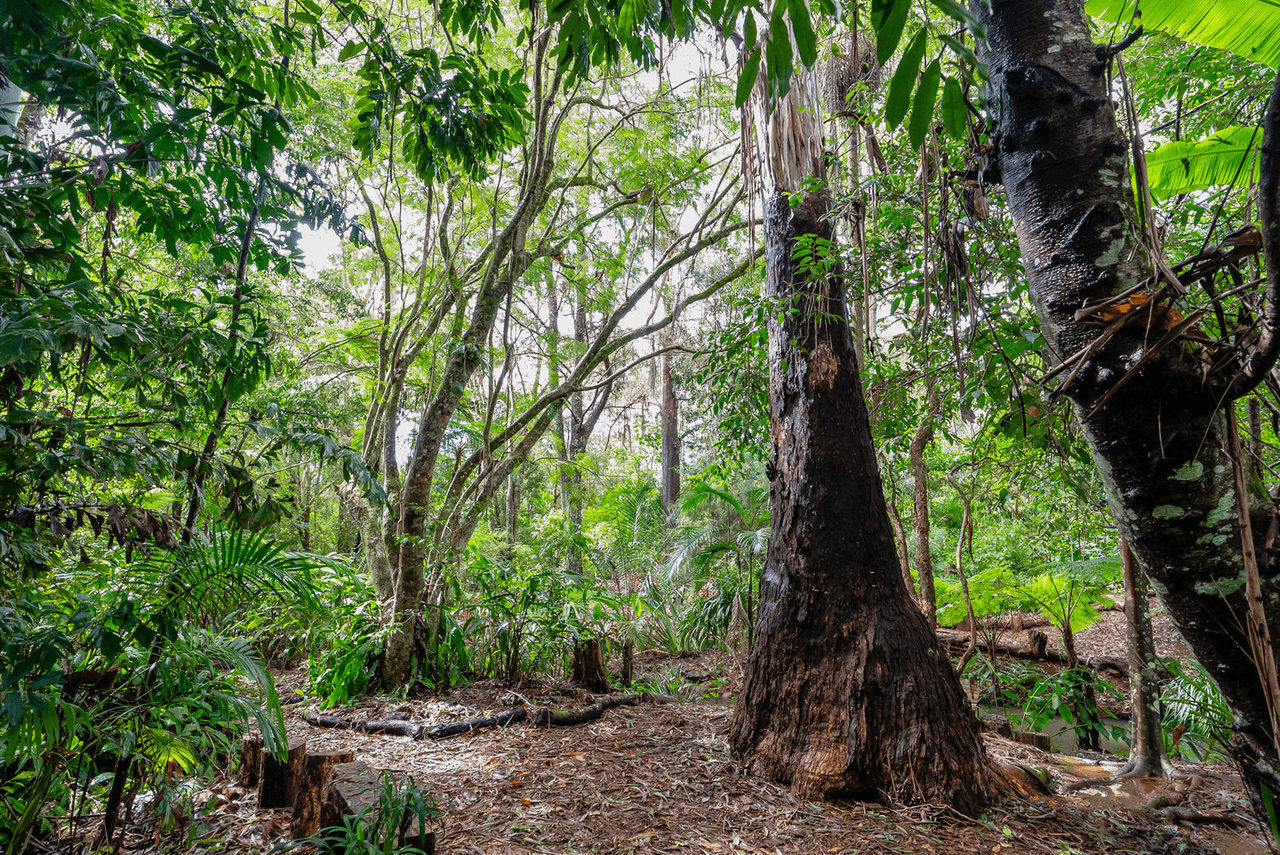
1146 737
508 262
920 505
1161 447
846 691
670 443
904 553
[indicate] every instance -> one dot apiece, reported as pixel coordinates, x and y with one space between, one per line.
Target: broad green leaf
1228 157
802 29
888 18
1249 28
747 79
954 117
350 49
903 82
749 31
922 108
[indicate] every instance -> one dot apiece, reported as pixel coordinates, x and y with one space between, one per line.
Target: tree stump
588 665
313 785
279 777
250 761
354 788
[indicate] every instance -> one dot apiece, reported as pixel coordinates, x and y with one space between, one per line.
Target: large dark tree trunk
846 691
1161 444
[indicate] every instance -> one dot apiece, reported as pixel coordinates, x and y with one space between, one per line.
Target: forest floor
657 778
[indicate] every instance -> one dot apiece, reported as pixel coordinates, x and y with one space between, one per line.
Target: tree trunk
670 444
900 535
846 691
920 506
1146 737
1161 448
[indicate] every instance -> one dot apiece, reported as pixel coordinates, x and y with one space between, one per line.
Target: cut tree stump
279 777
250 761
313 785
354 788
588 665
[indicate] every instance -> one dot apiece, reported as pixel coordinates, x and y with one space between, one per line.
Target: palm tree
722 546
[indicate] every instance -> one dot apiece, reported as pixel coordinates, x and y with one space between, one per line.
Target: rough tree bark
1161 446
846 691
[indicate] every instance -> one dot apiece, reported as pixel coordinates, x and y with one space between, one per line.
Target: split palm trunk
846 691
1161 443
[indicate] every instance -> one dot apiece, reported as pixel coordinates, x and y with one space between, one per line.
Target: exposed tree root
1183 814
540 718
1133 769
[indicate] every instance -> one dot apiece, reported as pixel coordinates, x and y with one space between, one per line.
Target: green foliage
1071 695
1190 700
519 617
1228 158
394 826
1250 28
111 661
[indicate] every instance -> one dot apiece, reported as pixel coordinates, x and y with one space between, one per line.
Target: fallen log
1184 814
567 718
394 727
958 641
458 728
541 718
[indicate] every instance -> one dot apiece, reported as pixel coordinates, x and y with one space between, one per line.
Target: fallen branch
958 641
458 728
541 718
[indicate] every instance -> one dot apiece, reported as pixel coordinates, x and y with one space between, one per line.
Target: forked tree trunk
1161 445
846 691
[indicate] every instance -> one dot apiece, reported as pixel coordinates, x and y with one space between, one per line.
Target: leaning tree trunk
846 692
1161 444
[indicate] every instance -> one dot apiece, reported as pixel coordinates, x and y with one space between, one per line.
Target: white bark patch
789 138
